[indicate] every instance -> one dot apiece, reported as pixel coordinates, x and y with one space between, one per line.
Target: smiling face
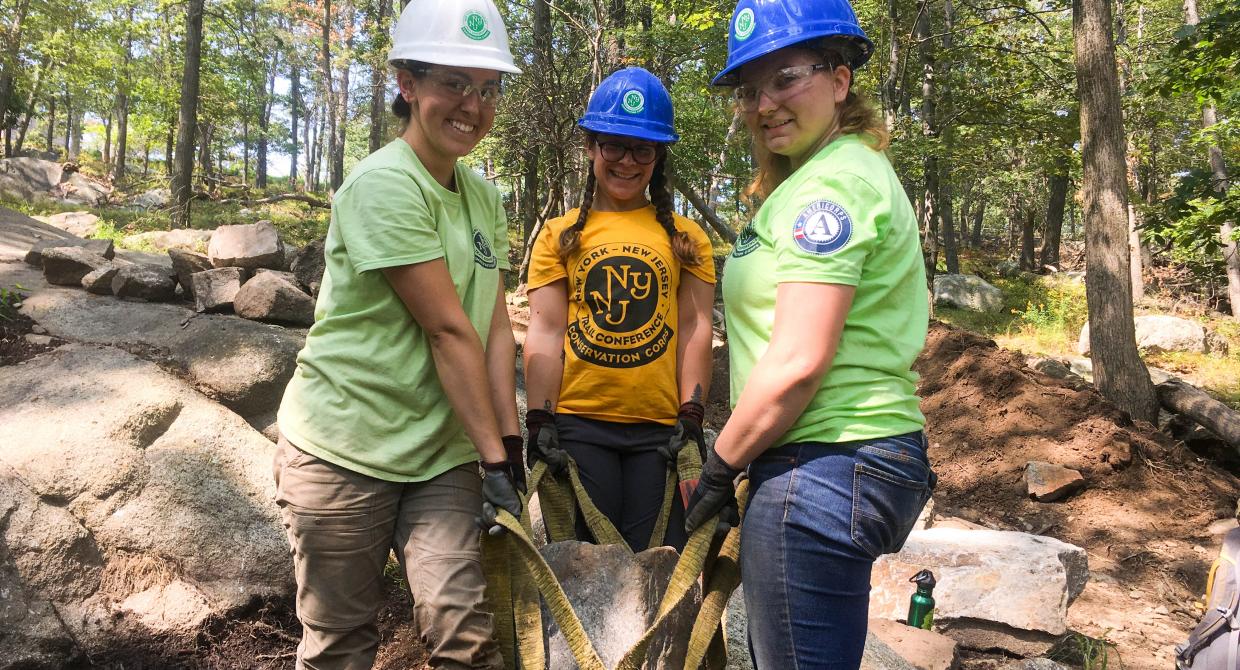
443 125
799 123
620 185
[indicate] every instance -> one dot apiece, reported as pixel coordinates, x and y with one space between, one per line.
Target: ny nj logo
621 286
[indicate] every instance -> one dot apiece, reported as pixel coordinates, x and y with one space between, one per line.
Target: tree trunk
1231 254
107 141
978 215
704 208
187 124
122 106
529 192
948 134
51 122
1192 402
325 63
68 122
891 84
1028 223
295 104
378 72
264 124
39 78
1119 372
929 129
1054 213
9 62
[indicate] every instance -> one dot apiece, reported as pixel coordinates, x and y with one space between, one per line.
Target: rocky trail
136 529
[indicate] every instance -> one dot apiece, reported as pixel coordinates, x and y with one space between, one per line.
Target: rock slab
925 650
66 266
616 595
81 224
271 297
103 248
967 292
99 281
128 500
214 290
309 265
249 246
184 265
152 283
1021 580
1048 482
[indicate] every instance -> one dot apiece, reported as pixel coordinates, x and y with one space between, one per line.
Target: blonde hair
857 116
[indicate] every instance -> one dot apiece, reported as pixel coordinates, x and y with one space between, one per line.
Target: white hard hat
460 33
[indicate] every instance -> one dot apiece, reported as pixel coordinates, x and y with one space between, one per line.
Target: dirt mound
1144 519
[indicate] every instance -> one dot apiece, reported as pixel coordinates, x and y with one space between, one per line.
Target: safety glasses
456 86
778 86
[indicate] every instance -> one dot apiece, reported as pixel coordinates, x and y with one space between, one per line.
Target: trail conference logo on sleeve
482 251
623 291
746 242
822 228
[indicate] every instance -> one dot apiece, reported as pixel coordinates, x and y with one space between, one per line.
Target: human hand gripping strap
688 428
714 492
498 492
544 442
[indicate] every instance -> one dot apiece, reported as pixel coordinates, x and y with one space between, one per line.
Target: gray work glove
544 442
498 492
715 494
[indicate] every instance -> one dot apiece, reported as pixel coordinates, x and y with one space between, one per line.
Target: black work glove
514 446
713 494
544 444
498 493
688 428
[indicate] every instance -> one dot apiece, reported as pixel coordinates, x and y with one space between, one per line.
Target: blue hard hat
759 27
632 103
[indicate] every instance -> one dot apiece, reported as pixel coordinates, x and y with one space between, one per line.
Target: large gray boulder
77 189
243 364
29 178
967 292
129 502
250 246
309 264
1021 580
152 283
1159 333
271 297
152 199
616 595
184 265
82 224
65 266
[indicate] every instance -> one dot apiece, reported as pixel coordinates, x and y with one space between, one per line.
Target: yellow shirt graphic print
620 340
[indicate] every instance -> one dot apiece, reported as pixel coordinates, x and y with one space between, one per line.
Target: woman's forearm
544 345
694 345
501 360
459 363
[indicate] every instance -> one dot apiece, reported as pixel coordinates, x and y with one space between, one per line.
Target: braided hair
660 197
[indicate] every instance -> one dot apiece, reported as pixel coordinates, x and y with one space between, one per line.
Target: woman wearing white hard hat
407 379
825 296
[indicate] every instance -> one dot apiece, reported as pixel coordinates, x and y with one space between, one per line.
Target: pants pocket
889 491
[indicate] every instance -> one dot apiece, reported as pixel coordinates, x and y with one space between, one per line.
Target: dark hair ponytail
682 244
570 237
400 106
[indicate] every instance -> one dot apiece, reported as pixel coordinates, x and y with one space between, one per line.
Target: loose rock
309 264
214 290
269 297
250 246
925 650
99 281
1047 482
1024 581
1159 333
103 248
152 199
81 224
144 282
184 265
282 274
66 266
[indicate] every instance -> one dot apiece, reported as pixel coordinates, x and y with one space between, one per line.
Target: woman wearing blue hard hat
407 381
618 353
826 304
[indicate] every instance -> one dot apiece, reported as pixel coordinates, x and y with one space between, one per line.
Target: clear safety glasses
451 85
779 86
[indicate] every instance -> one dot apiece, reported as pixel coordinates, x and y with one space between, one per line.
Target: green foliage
1060 306
10 300
1089 653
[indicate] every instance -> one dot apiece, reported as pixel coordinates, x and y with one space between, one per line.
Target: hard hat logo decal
475 26
744 24
634 102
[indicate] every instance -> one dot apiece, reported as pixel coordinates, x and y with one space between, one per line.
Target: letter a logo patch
822 228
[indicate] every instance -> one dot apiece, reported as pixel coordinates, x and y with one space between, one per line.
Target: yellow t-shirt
620 347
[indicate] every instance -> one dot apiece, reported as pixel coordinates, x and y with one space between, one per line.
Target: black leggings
624 476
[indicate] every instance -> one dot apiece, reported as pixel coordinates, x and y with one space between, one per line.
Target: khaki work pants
342 525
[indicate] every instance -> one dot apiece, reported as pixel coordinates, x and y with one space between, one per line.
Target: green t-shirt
842 218
365 394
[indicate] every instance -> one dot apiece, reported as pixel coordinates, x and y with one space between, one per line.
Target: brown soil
1143 519
14 347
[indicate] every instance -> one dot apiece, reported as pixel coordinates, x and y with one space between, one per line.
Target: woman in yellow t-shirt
618 354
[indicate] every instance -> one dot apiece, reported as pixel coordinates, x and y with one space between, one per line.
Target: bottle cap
924 579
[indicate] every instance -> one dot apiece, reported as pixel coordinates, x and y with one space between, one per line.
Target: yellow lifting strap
517 575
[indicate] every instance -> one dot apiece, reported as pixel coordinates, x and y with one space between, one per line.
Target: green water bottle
921 604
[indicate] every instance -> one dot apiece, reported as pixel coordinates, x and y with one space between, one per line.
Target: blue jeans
818 516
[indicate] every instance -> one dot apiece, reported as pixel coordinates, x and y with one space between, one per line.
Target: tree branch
704 209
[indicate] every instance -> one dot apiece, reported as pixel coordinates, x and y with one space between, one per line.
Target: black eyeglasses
643 154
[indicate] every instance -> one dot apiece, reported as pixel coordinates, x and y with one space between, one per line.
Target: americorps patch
822 228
